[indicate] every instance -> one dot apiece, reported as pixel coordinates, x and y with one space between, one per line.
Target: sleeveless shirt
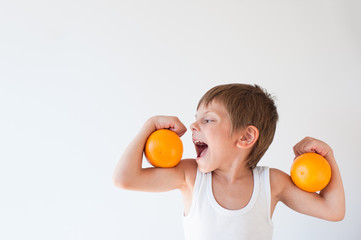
207 220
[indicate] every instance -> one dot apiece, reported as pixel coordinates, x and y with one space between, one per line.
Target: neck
234 172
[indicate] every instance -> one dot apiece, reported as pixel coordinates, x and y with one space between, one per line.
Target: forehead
213 107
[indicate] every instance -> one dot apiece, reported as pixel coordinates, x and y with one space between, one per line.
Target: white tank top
207 220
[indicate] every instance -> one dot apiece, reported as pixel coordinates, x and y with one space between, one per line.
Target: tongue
203 152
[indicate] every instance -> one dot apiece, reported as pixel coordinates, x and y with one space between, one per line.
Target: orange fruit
163 148
311 172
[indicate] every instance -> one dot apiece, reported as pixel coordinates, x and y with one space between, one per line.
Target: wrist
149 125
329 156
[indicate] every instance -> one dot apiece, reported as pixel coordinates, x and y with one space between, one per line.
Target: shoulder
189 167
276 173
279 180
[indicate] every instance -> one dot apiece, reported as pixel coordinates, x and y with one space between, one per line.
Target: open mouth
201 148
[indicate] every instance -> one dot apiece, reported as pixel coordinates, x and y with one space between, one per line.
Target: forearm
130 162
334 194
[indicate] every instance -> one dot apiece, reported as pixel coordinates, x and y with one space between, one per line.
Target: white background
79 78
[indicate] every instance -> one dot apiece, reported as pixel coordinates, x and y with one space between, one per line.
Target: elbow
116 182
122 182
125 179
337 217
119 182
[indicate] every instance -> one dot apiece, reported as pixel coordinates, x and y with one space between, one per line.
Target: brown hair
247 105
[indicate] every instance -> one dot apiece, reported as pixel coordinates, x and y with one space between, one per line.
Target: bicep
158 179
311 204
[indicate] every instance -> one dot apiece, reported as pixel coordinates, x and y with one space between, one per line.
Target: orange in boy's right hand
311 172
163 148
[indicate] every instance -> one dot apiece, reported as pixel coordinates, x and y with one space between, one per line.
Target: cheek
219 138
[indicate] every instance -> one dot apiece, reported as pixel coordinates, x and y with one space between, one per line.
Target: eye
207 120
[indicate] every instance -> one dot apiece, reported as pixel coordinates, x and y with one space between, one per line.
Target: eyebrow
203 113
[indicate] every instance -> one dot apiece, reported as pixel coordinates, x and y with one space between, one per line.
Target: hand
169 122
309 144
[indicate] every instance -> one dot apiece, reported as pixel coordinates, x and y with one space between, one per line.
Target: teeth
199 143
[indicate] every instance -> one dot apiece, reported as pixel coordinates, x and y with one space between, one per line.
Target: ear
248 138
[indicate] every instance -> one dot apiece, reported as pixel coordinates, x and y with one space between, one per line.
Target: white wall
79 78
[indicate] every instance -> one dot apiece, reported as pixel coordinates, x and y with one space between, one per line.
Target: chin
204 169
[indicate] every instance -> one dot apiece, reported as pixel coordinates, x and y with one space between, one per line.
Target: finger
180 130
296 149
310 146
301 147
296 153
178 127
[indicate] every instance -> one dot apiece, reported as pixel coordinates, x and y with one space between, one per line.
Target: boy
225 194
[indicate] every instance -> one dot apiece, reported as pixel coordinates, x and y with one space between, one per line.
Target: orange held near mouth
163 148
311 172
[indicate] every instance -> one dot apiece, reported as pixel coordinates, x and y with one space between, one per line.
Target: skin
226 158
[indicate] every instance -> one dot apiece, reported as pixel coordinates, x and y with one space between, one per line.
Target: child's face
211 133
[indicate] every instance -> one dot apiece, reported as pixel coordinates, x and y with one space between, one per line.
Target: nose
194 127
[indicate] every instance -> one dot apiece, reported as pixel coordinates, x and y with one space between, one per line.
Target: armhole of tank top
196 188
267 185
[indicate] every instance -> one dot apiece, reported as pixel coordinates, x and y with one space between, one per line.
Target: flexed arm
129 174
329 204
